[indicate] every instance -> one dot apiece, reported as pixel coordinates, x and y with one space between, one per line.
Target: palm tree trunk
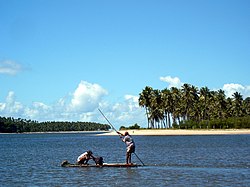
169 123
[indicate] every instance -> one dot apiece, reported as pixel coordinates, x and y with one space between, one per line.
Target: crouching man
85 157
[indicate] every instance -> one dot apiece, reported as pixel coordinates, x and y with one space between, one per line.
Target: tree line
191 107
11 125
135 126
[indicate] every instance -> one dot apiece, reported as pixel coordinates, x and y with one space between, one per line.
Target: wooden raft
119 165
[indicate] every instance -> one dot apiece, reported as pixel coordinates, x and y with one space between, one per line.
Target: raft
117 165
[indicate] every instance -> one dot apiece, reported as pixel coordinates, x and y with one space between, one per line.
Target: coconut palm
204 102
189 103
221 104
189 99
176 104
145 100
167 98
246 104
156 113
237 104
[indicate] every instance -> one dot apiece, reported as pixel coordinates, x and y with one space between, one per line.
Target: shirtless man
85 157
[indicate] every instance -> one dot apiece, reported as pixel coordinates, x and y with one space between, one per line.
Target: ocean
209 160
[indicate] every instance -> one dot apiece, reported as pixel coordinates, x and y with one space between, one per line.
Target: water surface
34 160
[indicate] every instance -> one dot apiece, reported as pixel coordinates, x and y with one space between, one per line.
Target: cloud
38 111
74 107
11 106
82 105
126 112
173 81
86 97
231 88
9 67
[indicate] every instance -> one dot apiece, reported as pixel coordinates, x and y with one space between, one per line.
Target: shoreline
182 132
62 132
154 132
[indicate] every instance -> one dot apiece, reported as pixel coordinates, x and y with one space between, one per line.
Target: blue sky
62 59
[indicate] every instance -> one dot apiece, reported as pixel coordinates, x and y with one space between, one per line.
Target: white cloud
172 81
87 116
231 88
86 97
132 102
124 113
82 105
10 106
38 111
9 67
2 106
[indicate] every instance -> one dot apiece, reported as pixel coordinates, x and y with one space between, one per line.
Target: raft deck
119 165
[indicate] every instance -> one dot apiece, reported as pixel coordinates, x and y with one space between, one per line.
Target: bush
135 126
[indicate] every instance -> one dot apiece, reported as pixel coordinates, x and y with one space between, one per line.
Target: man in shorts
128 140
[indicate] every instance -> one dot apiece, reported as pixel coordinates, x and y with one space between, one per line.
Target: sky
61 60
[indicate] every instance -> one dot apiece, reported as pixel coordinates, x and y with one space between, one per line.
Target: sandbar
174 132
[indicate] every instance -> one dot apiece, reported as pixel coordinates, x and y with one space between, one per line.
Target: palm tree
229 109
186 100
237 104
195 107
212 105
155 114
176 104
221 104
167 105
189 103
246 104
145 100
204 102
189 98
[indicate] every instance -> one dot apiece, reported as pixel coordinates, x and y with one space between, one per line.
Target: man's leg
129 158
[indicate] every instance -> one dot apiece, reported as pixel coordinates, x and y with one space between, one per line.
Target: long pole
118 133
108 121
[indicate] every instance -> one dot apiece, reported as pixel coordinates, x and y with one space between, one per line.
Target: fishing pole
118 134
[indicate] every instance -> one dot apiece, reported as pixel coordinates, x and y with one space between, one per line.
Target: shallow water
34 160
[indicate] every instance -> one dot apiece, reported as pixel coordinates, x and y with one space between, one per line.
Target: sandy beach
174 132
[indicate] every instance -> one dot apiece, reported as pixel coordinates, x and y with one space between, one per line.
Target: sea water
34 160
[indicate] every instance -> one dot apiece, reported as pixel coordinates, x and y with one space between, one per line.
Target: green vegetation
11 125
135 126
184 108
190 108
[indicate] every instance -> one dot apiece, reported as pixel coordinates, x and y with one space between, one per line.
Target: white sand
162 132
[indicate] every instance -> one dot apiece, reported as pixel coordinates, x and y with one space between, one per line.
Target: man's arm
121 136
120 133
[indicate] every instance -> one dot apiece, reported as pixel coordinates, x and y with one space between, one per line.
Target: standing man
128 140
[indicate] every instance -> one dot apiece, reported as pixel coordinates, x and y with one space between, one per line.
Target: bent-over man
85 157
